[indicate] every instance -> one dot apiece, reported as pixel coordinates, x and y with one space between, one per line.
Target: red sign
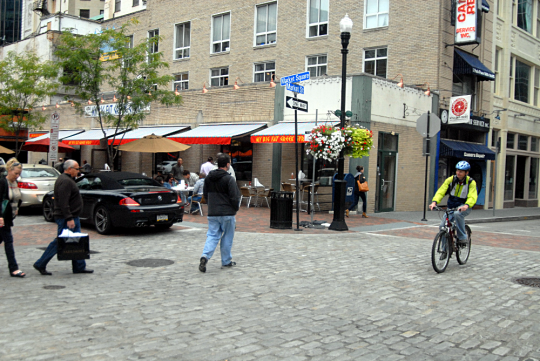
81 142
276 139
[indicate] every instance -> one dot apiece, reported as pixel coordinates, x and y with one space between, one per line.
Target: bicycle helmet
463 165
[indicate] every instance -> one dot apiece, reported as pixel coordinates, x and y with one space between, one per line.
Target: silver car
35 181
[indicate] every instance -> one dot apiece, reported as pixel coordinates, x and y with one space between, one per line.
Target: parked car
35 181
123 199
166 166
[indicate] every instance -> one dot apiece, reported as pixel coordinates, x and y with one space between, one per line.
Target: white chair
246 193
199 203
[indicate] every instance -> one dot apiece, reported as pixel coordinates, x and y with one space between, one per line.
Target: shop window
182 40
534 144
464 85
316 65
524 14
533 179
510 141
522 142
318 18
264 72
266 28
375 61
522 80
509 178
181 82
241 153
221 30
219 77
376 13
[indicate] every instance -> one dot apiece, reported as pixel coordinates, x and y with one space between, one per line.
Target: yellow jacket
461 194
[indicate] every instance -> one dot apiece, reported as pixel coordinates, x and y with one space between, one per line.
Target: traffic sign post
296 104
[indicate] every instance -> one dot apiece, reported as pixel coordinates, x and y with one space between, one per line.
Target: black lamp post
338 223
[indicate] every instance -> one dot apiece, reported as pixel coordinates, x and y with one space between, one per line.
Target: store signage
466 22
474 155
276 139
460 109
91 111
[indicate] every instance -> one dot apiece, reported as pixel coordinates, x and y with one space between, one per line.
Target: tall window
316 65
511 80
117 5
509 178
266 24
521 87
538 19
524 15
182 40
533 179
264 72
135 3
318 18
181 82
510 140
497 72
523 142
153 46
219 77
375 61
84 13
536 94
376 13
221 33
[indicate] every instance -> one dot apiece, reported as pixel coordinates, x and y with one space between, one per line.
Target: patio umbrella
42 145
153 144
4 150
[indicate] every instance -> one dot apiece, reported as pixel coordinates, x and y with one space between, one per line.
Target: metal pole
427 163
296 162
313 175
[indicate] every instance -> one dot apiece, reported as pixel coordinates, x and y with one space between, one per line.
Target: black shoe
202 265
230 264
462 242
86 270
443 256
43 271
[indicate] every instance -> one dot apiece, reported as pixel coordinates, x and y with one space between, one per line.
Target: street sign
434 125
53 137
296 104
294 78
295 88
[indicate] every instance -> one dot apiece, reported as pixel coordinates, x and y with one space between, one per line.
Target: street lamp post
338 223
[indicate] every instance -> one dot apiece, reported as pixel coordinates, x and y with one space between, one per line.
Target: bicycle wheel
463 251
440 252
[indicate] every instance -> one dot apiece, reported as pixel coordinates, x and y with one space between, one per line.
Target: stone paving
293 296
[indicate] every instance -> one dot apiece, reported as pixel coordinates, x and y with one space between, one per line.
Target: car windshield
136 182
38 173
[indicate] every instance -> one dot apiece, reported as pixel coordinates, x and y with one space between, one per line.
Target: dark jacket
4 194
359 177
221 194
67 198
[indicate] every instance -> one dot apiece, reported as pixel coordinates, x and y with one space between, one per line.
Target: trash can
281 210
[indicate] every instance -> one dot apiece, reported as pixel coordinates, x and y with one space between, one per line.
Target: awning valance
485 6
467 64
217 133
144 131
450 148
92 137
284 132
62 134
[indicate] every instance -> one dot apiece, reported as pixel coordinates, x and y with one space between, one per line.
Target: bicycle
445 244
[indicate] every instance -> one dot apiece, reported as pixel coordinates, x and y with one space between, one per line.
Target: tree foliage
25 82
130 72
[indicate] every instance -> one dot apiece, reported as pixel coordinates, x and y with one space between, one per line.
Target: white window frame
220 76
319 23
154 47
265 33
496 70
375 59
222 41
117 6
272 72
536 87
376 14
184 48
318 71
181 84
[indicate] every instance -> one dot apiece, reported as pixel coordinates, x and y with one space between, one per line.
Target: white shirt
207 167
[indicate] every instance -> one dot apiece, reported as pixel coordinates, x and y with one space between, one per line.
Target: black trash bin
281 210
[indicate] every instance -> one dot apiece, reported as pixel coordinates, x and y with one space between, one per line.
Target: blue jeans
357 197
460 223
52 249
7 237
220 228
194 198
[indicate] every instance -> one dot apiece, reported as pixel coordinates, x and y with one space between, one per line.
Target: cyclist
463 196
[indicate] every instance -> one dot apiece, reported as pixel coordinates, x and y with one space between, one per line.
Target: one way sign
296 104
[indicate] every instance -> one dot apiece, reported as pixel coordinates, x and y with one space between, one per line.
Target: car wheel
48 209
164 225
102 220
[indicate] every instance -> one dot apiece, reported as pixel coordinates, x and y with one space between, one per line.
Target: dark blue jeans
52 249
357 197
7 238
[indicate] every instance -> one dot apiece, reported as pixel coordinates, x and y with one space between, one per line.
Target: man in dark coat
68 205
223 198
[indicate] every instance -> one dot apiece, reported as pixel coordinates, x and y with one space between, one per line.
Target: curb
502 219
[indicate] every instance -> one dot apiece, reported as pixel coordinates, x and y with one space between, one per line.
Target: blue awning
467 64
464 150
485 6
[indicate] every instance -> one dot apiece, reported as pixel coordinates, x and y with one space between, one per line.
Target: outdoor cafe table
183 190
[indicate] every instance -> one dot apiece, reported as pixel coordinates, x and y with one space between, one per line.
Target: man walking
223 198
67 207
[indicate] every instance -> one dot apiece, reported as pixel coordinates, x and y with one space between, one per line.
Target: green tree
108 61
25 82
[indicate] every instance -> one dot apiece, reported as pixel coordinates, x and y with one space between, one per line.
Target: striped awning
217 133
92 137
62 134
284 132
139 133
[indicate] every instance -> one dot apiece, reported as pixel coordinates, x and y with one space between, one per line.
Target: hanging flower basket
327 142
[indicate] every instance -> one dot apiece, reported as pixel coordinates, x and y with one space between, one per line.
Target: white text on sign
294 78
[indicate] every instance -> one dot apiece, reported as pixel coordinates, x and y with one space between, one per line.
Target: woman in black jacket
10 199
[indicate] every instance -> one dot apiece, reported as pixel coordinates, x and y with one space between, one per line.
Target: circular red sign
459 106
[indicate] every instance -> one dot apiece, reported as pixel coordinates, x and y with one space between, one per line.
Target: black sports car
123 199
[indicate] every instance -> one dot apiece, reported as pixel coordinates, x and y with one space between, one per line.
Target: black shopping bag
73 248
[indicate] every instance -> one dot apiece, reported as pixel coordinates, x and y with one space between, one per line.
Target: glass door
386 175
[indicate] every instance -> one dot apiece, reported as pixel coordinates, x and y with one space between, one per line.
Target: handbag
362 187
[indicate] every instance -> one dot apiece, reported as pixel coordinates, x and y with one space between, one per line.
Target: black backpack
454 182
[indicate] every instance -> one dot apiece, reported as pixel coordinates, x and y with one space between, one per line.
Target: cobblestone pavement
293 296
